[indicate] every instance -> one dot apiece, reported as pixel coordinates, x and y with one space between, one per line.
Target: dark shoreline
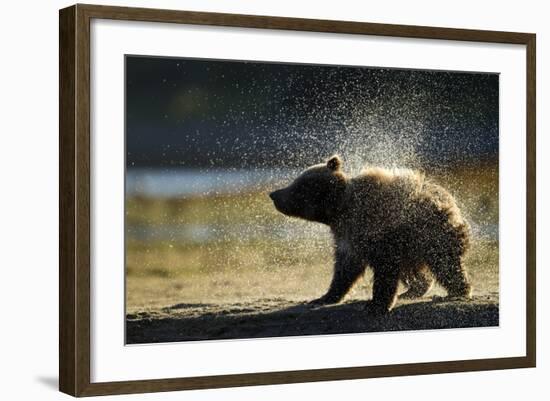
196 322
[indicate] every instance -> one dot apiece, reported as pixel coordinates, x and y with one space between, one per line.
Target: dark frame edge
74 202
301 24
67 131
531 200
308 376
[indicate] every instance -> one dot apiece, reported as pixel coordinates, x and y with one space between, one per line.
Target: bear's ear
334 163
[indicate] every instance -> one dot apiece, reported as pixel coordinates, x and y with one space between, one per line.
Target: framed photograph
250 200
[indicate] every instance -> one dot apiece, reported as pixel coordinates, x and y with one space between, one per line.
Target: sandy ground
279 317
250 302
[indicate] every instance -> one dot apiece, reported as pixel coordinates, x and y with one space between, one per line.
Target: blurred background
206 140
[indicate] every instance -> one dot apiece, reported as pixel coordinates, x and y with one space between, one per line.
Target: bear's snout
275 195
278 198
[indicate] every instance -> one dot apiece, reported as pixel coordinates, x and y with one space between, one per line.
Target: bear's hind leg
450 273
418 283
346 272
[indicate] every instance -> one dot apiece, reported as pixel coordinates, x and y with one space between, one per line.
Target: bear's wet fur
399 223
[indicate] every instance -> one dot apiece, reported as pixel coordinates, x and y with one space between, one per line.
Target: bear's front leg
384 291
347 270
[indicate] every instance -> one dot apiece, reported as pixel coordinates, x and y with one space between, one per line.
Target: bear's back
380 201
381 198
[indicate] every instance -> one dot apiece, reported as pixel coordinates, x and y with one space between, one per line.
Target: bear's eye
306 187
308 190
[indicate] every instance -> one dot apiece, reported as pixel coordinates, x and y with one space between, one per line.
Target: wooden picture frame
74 204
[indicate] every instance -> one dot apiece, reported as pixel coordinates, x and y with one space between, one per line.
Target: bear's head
315 195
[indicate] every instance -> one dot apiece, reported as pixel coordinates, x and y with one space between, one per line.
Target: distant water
184 182
181 182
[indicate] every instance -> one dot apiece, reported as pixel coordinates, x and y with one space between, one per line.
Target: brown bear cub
397 222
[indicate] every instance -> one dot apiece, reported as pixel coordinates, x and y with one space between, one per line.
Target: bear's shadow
302 319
